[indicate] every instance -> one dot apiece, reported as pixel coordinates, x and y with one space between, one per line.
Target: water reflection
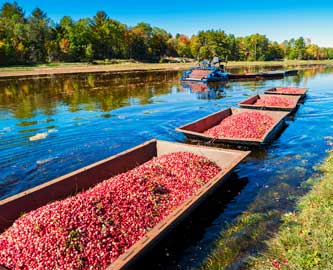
206 90
97 92
73 120
105 92
52 126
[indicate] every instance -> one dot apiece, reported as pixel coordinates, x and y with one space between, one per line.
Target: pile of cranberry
92 229
245 125
289 90
275 100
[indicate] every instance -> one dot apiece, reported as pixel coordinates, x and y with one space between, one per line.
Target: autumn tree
13 34
36 39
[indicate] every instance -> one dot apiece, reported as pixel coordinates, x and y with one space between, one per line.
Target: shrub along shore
129 67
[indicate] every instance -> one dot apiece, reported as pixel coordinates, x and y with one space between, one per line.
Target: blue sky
278 20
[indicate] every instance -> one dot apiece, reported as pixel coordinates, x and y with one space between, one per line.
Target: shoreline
305 237
75 68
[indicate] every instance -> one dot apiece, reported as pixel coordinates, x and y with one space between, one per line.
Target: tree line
37 39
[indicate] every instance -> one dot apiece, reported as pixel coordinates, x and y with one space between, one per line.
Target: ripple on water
119 114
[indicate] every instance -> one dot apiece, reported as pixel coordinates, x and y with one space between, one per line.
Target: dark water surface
85 118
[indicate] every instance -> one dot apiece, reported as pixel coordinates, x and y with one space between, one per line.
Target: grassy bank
300 240
67 68
305 240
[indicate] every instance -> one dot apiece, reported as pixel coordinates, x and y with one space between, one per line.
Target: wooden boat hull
195 129
82 179
275 91
249 103
276 74
213 79
244 76
291 72
208 74
273 74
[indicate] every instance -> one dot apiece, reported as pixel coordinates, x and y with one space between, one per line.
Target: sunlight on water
52 126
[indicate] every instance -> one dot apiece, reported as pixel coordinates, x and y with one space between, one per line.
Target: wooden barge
207 71
291 72
257 75
276 74
278 91
195 129
82 179
205 74
245 76
250 103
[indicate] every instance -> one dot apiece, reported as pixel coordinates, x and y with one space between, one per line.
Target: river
53 125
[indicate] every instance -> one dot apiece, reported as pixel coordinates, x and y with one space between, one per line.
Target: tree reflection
105 92
92 92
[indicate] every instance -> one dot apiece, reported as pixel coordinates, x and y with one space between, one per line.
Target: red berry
278 101
249 125
289 90
92 229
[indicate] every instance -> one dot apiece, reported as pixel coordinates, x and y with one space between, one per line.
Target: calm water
85 118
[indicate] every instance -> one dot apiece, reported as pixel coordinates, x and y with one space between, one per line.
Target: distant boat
273 74
214 71
206 71
245 76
